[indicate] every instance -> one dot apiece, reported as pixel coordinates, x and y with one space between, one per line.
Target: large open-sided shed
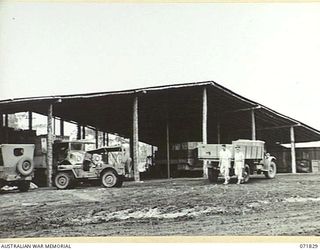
202 111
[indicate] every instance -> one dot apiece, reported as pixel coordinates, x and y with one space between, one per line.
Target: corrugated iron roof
181 103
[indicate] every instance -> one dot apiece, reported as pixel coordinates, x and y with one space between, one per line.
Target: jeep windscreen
77 146
114 158
60 151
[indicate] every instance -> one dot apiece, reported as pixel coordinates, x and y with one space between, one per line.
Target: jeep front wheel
62 180
109 179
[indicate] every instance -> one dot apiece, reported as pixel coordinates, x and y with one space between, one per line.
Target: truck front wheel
271 173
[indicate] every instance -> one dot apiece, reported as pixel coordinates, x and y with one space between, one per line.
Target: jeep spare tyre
109 179
25 166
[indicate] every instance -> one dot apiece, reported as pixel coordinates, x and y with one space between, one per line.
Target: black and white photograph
168 121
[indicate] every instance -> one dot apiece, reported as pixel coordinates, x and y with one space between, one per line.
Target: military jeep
16 165
75 164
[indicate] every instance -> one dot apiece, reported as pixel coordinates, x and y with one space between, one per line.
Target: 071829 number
309 246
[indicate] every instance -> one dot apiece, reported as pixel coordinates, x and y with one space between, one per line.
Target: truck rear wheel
246 174
210 175
62 180
213 175
271 173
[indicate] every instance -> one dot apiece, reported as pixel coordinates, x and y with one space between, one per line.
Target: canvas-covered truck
16 165
75 164
256 160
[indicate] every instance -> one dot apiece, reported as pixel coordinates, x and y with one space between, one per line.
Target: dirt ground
286 205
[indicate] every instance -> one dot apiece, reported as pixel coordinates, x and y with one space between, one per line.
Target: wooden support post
168 147
49 144
253 125
97 138
61 127
131 170
54 125
106 143
30 120
78 132
152 156
103 138
6 124
1 128
135 137
204 126
83 132
204 116
293 151
6 120
218 133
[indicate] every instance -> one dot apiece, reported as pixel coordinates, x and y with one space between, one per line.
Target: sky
269 53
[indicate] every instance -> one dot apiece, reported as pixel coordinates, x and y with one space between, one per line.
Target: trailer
257 161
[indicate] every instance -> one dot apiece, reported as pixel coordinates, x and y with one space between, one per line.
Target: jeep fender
109 169
119 169
67 168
